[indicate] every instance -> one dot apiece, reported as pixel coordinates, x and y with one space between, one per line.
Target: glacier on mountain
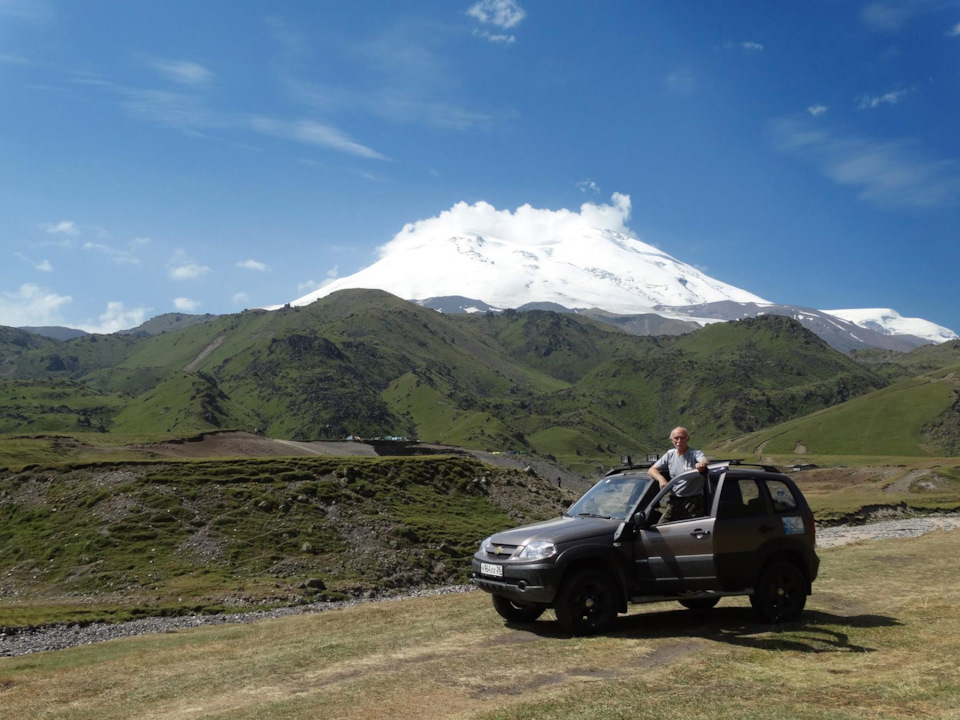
509 259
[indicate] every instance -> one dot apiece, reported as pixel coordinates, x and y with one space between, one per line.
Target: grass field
880 639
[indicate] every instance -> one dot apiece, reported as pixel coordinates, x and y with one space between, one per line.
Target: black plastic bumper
523 583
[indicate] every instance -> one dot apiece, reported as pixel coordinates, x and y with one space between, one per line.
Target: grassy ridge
116 540
364 362
915 417
37 406
367 363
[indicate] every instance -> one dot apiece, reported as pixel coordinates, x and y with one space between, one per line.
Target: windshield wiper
593 515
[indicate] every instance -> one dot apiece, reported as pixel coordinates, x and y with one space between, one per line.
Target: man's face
680 441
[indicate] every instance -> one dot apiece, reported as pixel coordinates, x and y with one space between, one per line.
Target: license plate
491 570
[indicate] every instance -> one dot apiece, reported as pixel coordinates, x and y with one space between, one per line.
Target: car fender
598 555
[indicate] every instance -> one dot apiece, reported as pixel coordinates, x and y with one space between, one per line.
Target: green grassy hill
915 417
366 363
898 366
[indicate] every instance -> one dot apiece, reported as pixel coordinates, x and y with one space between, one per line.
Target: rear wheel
700 603
587 602
518 612
781 592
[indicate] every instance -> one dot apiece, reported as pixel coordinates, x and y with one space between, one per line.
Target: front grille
499 552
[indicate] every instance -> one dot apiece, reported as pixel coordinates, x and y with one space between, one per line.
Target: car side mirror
626 532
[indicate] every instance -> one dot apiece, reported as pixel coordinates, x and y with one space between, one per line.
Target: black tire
517 612
781 592
587 602
700 603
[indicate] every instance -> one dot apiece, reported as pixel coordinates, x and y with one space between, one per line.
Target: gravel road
64 636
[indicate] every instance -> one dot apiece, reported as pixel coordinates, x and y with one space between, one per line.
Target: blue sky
208 156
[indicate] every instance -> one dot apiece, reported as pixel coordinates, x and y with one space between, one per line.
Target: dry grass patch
879 640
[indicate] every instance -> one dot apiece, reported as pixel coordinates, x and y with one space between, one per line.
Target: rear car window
739 498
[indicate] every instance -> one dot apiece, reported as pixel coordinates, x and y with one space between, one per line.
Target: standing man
686 498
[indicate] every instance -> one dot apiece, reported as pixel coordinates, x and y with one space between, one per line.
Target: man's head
680 439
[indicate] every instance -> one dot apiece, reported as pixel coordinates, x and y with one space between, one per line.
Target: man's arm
701 460
653 472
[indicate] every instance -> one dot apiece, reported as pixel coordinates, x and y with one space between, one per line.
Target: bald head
680 439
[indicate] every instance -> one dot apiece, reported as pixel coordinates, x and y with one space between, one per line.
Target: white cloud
116 318
406 80
314 133
185 304
253 265
240 298
524 226
498 38
954 31
817 110
64 227
182 267
183 71
889 174
891 15
503 14
500 13
871 102
170 109
189 271
310 285
747 46
120 257
588 185
42 265
31 305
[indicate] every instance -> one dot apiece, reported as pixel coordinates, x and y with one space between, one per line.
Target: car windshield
612 497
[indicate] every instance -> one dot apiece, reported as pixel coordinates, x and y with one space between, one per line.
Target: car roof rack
627 463
739 463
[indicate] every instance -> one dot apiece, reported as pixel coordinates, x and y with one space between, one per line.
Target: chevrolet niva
610 548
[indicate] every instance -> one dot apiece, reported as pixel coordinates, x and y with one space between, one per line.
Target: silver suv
609 549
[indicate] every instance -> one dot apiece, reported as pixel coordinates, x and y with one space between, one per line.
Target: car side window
782 496
739 498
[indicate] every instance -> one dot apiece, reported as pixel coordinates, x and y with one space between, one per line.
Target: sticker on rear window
793 525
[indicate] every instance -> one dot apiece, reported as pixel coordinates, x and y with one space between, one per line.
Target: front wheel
512 611
587 602
781 592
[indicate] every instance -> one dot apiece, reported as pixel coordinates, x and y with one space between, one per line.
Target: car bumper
534 583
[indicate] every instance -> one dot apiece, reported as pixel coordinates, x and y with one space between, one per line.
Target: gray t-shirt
679 464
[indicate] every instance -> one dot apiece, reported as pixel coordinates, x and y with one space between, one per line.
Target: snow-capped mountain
840 333
475 258
889 322
574 264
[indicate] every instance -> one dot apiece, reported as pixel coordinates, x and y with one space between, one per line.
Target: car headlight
538 549
485 545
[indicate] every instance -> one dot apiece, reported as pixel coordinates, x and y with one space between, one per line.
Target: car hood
560 530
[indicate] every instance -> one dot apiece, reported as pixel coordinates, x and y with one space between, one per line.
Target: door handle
698 533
